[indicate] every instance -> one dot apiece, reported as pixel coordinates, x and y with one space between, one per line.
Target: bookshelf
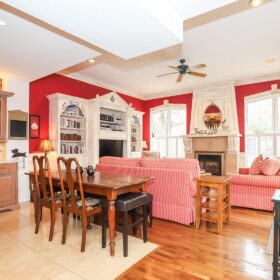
68 126
136 134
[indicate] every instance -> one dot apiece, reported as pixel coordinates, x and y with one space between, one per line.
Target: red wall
39 104
243 91
178 99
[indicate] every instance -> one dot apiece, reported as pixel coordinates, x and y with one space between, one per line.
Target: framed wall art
34 126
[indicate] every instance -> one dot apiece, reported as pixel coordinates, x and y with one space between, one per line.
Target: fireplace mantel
213 135
233 141
223 97
225 138
227 144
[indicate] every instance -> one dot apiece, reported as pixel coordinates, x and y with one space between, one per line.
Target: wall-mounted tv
112 148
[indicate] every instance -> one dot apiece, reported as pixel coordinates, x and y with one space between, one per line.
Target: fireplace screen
210 163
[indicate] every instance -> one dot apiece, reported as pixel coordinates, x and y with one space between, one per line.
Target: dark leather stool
128 203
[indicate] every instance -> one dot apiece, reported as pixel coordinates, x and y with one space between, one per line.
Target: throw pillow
270 167
256 166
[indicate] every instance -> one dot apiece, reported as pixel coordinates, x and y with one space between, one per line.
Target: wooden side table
213 200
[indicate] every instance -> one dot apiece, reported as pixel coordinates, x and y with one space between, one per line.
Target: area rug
30 256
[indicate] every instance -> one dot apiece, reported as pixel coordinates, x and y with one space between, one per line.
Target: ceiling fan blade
202 75
198 66
179 79
173 67
167 74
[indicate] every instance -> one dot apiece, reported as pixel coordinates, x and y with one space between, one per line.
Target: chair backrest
67 180
43 179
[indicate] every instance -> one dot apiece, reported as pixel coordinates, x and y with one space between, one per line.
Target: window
168 126
262 126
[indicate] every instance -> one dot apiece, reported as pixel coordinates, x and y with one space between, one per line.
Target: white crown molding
259 79
103 85
187 90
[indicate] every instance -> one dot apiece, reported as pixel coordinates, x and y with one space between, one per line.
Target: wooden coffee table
213 200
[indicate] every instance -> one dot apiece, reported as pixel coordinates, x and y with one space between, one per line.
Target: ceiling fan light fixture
255 3
183 69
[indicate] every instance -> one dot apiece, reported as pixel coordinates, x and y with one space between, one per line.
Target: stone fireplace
216 146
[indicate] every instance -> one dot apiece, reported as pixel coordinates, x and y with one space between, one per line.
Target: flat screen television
112 148
18 129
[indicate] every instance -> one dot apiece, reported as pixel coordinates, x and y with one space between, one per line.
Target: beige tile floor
24 255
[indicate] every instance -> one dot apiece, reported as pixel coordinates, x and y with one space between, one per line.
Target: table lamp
144 145
45 146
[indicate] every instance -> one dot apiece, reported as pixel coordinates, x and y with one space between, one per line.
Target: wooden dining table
108 185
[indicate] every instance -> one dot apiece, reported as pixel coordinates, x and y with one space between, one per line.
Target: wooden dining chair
85 207
45 195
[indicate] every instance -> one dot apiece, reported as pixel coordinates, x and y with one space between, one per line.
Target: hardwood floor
187 253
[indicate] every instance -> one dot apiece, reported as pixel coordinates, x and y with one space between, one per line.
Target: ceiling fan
183 69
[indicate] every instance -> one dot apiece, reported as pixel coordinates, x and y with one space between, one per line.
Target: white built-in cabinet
76 125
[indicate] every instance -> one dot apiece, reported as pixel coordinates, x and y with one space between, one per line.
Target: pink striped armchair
174 188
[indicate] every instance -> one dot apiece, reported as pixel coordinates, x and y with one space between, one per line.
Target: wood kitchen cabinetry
3 112
8 169
8 185
3 120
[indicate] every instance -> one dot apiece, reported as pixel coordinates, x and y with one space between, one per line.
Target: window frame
168 107
275 97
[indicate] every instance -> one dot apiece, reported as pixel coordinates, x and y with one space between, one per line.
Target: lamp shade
144 144
45 146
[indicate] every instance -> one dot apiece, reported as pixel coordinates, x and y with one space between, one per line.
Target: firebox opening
211 163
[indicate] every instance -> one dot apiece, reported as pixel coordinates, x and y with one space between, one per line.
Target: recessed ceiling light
219 76
3 23
271 60
91 60
255 3
149 85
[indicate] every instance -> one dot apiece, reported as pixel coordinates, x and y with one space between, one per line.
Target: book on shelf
71 149
66 123
70 137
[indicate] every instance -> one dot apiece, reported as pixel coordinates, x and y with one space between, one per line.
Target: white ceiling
29 52
125 28
234 45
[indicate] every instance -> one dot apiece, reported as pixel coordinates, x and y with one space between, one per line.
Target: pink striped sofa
253 191
174 188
